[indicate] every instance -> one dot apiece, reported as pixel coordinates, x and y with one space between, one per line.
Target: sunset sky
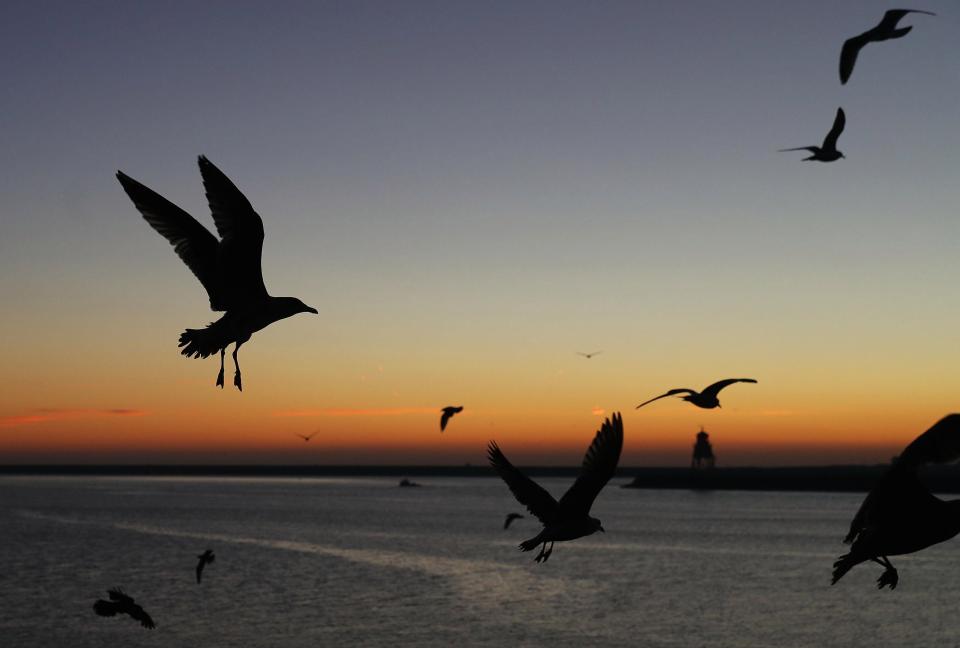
470 193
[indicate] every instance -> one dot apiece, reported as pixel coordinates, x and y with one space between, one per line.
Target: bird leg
539 557
236 377
890 577
549 551
223 352
544 552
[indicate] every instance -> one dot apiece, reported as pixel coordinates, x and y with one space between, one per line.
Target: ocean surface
361 562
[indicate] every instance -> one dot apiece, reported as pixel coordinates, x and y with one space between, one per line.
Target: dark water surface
360 562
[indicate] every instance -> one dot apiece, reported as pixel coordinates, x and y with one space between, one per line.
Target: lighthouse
702 451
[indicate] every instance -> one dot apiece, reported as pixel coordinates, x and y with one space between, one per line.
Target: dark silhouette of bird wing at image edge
900 515
447 414
204 559
886 29
827 152
121 603
228 269
569 518
510 518
706 399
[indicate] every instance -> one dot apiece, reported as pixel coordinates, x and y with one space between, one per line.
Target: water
360 562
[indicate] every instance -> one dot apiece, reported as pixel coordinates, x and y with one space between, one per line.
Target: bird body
569 518
826 152
447 414
900 515
886 29
121 603
706 399
229 269
205 559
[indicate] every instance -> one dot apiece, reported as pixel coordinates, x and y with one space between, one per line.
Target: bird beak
312 310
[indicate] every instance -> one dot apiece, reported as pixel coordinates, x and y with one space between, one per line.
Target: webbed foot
889 578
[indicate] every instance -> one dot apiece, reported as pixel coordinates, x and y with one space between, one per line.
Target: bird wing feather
116 594
141 615
528 492
839 122
715 388
599 465
672 392
848 54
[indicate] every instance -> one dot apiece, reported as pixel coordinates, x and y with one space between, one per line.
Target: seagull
229 269
588 355
569 518
307 438
510 518
120 603
885 30
206 558
707 399
448 412
900 515
827 152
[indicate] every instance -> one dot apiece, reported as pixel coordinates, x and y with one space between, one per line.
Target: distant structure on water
702 452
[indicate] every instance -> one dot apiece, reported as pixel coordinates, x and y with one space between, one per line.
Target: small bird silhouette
900 515
886 29
510 518
569 518
120 603
448 412
307 437
828 151
588 355
707 399
205 558
229 269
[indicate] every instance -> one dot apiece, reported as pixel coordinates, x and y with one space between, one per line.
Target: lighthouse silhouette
702 452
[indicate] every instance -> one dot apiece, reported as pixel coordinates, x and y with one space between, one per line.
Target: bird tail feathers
201 343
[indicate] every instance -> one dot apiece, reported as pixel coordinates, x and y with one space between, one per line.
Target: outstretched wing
141 615
893 16
116 594
939 444
848 54
599 464
672 392
192 242
528 492
830 141
242 232
715 388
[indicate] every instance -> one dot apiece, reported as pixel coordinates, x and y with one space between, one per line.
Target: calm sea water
361 562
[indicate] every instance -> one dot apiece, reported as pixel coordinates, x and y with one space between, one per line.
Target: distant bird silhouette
588 355
205 558
886 29
900 515
307 437
448 413
827 152
707 399
229 269
510 518
569 518
120 603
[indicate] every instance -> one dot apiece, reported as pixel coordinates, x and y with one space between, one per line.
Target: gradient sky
471 192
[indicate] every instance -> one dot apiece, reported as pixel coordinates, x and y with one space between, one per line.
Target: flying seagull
900 515
229 269
707 399
569 518
827 152
205 558
885 30
307 437
120 603
448 412
510 518
588 355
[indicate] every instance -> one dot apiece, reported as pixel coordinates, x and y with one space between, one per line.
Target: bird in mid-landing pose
827 152
569 518
707 399
900 515
510 518
120 603
205 559
229 269
886 29
448 413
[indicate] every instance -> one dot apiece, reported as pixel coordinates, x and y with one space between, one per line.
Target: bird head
291 306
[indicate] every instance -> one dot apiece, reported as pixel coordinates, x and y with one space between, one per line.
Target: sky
470 193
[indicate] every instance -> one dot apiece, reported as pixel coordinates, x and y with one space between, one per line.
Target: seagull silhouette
307 438
569 518
900 515
588 355
120 603
205 558
229 269
510 518
448 412
828 151
886 29
707 399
